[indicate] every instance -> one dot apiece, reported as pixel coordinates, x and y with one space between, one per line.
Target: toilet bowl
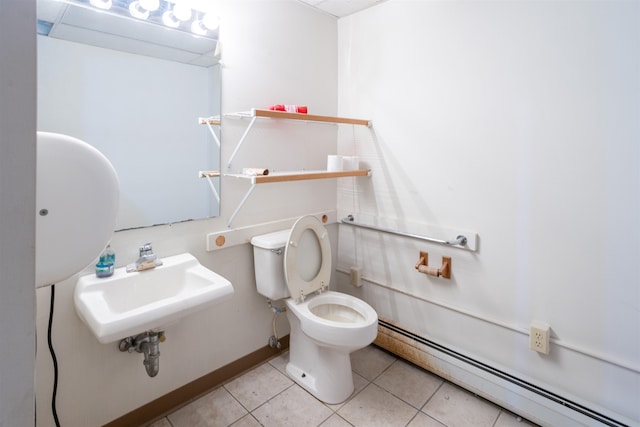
326 326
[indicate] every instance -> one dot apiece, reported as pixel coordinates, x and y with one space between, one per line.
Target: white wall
17 212
261 67
519 121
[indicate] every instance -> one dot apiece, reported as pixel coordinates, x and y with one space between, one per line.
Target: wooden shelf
290 176
301 176
255 113
307 117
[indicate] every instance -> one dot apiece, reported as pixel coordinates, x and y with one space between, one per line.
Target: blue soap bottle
106 263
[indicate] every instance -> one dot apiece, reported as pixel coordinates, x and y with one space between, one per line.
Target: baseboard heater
410 346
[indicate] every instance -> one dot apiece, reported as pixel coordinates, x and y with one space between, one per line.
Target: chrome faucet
147 259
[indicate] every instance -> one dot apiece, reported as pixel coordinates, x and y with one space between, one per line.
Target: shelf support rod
213 189
215 137
244 136
242 202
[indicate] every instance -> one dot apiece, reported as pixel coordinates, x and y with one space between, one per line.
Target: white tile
375 406
410 383
391 400
216 409
424 420
246 421
294 407
258 385
280 362
456 407
370 361
161 423
335 421
507 419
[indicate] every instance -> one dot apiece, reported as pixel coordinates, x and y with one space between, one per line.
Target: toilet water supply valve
147 343
273 339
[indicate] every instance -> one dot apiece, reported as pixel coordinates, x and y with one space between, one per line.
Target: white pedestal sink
127 304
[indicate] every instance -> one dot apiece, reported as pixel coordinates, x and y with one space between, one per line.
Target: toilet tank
268 260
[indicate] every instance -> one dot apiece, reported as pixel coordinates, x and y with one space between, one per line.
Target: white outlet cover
539 334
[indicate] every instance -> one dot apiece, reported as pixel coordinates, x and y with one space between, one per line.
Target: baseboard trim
179 397
533 402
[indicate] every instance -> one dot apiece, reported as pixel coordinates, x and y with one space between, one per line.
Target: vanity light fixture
169 19
198 27
137 11
182 12
211 21
150 5
191 16
102 4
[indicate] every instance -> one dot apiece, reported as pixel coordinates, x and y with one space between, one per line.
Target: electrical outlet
354 277
539 337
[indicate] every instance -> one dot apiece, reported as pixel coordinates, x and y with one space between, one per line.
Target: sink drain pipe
147 343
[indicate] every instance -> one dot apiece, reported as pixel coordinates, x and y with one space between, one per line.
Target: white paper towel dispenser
77 197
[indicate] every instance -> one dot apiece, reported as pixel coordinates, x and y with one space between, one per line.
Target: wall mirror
113 74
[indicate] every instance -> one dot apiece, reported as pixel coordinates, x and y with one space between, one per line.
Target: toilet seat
299 286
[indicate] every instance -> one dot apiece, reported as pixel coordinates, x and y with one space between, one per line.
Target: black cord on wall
53 358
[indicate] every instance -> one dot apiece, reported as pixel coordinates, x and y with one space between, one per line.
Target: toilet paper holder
423 266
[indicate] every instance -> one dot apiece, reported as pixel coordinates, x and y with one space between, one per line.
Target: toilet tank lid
275 240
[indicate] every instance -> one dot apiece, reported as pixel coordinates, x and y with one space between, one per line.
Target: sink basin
127 304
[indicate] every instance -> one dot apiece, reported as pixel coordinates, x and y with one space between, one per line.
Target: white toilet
326 326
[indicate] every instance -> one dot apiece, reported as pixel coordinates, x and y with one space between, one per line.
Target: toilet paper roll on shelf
334 163
342 163
350 163
255 171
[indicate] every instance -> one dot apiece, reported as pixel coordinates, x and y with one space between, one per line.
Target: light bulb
150 5
170 20
211 21
182 12
197 27
102 4
137 11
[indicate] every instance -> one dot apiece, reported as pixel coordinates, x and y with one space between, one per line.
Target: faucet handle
146 249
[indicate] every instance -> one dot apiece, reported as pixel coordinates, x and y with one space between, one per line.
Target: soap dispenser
106 263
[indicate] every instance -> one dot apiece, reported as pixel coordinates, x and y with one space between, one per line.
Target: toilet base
325 372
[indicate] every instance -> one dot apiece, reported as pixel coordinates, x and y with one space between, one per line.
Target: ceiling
340 8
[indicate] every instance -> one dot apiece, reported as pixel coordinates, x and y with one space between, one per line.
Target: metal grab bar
459 240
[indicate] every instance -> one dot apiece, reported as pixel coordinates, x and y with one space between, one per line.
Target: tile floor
389 392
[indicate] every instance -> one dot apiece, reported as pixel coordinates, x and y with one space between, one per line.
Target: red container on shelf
302 109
